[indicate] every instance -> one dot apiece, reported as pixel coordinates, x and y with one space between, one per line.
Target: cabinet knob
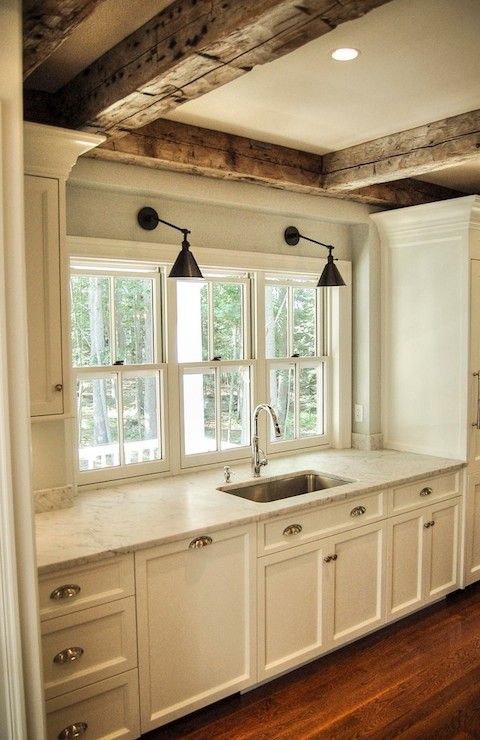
68 591
59 387
429 524
68 655
426 491
292 529
76 730
200 542
358 511
330 557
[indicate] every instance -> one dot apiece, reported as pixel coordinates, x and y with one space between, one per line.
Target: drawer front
304 526
424 492
88 646
72 589
106 709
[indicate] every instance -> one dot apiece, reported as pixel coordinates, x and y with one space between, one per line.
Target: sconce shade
330 276
185 266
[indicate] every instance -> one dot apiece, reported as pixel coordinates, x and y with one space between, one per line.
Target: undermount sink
274 489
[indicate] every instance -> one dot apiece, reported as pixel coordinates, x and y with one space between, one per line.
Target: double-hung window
295 359
215 366
118 369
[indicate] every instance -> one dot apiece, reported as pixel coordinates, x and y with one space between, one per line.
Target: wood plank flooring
417 679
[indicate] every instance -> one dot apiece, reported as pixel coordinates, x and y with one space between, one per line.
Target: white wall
19 620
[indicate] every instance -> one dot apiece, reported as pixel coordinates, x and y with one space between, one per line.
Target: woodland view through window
219 367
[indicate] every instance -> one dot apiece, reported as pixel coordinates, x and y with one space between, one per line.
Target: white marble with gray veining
50 499
132 516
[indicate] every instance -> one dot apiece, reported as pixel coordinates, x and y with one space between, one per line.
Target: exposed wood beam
46 25
405 154
190 48
181 148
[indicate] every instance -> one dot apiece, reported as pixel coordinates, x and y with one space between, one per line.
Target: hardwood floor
418 678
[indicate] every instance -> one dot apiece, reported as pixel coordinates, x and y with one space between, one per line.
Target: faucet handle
227 473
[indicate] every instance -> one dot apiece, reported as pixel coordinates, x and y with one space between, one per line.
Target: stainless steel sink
274 489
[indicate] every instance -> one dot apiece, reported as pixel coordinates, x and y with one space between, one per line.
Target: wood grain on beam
190 48
405 154
177 147
46 25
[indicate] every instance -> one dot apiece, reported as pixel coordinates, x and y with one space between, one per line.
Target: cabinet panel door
474 387
290 608
472 529
406 537
354 583
42 251
443 550
196 628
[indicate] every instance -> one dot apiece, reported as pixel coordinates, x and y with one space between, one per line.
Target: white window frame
116 269
338 334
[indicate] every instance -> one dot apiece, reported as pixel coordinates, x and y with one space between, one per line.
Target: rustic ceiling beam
178 147
188 49
405 154
46 25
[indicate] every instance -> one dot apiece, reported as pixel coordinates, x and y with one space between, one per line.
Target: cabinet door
290 608
442 554
405 558
196 623
472 529
354 579
42 248
474 365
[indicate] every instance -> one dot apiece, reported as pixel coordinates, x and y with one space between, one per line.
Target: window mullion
210 350
296 399
120 416
218 433
290 321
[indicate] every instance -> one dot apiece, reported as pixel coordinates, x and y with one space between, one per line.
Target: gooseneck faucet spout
259 458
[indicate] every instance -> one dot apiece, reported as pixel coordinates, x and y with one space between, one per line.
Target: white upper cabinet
49 154
431 327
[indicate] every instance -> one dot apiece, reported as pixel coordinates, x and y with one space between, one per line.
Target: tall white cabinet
431 342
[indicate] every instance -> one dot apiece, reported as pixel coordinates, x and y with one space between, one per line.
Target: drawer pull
200 542
68 655
330 557
426 491
76 730
358 511
65 592
292 529
427 525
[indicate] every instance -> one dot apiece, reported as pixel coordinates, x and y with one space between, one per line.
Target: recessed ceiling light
345 54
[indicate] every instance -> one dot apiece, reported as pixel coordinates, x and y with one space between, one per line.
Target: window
118 374
295 358
167 372
215 369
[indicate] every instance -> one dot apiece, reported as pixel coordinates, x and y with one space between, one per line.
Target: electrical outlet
358 412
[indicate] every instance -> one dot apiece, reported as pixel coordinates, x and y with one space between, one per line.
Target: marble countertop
131 516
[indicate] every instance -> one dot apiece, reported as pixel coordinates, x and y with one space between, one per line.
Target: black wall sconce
185 266
330 276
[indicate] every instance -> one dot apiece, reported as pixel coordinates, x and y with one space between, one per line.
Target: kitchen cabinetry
431 340
89 650
314 597
422 556
50 154
196 622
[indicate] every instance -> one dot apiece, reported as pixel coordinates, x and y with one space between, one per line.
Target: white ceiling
419 62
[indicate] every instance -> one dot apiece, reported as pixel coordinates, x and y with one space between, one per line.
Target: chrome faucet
259 458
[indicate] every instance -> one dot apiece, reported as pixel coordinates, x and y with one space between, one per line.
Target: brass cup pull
427 491
68 591
358 511
68 655
200 542
292 529
76 730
